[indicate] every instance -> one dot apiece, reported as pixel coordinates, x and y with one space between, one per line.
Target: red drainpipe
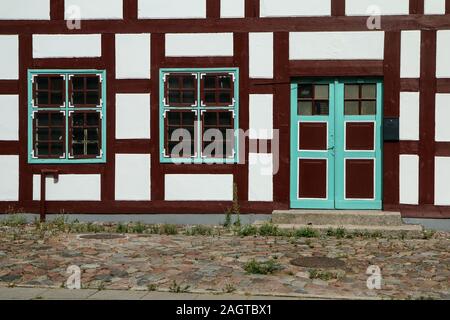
44 174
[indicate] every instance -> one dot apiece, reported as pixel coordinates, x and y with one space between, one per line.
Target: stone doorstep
337 217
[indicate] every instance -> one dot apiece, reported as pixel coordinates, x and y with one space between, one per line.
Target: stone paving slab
411 268
21 293
66 294
118 295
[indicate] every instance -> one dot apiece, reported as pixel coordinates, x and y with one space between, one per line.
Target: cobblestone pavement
411 269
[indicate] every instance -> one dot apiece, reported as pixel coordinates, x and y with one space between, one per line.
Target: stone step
337 217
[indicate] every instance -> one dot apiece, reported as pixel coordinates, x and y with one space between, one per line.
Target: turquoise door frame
336 155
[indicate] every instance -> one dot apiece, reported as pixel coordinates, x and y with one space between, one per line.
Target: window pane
57 149
305 92
210 97
57 134
174 117
42 98
225 118
92 149
78 98
188 118
188 82
210 82
92 134
57 98
93 98
305 108
321 92
173 82
174 97
368 107
77 149
189 97
78 83
42 83
351 91
225 97
42 149
369 91
93 119
210 118
321 107
42 119
78 134
42 134
92 83
225 82
78 119
57 83
351 108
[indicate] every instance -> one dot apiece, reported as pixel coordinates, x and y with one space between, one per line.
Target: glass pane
305 108
57 134
188 82
210 82
189 97
174 118
42 97
42 149
225 82
92 134
321 92
225 118
93 119
42 83
92 83
351 91
225 97
57 119
57 98
42 119
321 107
210 118
210 97
78 134
78 119
351 108
368 107
174 96
78 98
77 149
57 83
188 118
305 92
78 83
42 134
173 82
92 149
57 149
92 98
369 91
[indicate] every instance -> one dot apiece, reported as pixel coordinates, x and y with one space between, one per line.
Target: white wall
199 44
261 55
442 54
441 181
386 7
95 9
434 7
200 187
294 8
133 116
9 178
167 9
410 54
133 56
260 177
364 45
442 117
9 57
9 117
409 115
409 179
70 187
232 8
261 116
25 10
133 182
67 46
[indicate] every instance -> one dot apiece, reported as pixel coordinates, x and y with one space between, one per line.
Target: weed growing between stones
261 267
176 288
322 275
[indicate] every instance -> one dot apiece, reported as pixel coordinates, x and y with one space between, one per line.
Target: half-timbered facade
331 104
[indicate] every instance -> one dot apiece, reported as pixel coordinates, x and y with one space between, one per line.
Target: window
199 115
313 99
360 99
67 117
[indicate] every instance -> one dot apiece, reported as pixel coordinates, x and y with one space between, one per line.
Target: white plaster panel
410 54
9 57
294 8
198 187
171 9
443 54
443 117
9 117
261 55
434 7
95 9
260 177
9 178
133 116
133 56
199 44
232 8
67 46
409 115
69 187
409 179
133 182
25 10
368 7
261 116
441 181
362 45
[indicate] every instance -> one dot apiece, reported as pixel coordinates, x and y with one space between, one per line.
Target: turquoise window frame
198 159
66 109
